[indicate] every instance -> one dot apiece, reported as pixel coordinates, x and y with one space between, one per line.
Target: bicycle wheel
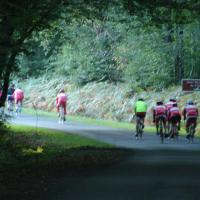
18 107
10 107
161 131
140 128
137 130
61 115
175 132
191 133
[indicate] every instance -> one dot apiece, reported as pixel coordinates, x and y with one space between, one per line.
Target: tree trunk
6 63
6 80
179 57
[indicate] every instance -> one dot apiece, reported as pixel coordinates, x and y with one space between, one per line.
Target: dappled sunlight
30 151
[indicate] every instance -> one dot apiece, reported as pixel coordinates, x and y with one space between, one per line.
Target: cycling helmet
175 105
62 91
172 99
159 103
141 98
190 102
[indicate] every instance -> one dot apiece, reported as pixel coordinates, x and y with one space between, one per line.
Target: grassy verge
22 147
113 124
30 159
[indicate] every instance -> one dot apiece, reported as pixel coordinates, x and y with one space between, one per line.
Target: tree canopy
146 44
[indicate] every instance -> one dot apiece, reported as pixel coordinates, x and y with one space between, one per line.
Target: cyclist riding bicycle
140 109
174 116
10 92
61 100
190 114
168 106
159 112
10 97
18 97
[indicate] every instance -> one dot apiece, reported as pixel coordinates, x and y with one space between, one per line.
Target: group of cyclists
14 97
169 115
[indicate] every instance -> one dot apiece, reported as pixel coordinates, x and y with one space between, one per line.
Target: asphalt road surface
151 170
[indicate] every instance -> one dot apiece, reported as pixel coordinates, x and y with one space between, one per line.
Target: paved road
150 171
118 137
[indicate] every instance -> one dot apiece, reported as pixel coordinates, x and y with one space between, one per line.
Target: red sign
191 84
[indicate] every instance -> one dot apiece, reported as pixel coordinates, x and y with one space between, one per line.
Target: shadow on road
142 174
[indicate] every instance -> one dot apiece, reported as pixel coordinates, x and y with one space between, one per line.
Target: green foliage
154 51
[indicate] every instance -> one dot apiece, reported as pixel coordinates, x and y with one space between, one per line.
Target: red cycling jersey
190 111
61 100
169 105
18 95
174 112
160 110
190 114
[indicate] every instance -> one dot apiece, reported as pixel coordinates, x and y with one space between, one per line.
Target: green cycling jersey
140 106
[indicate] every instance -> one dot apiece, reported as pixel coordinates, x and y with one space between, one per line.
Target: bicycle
174 131
18 107
160 128
61 117
10 105
191 131
139 128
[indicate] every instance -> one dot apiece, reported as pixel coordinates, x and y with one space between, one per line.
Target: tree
18 20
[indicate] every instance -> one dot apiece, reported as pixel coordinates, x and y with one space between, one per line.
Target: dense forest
145 44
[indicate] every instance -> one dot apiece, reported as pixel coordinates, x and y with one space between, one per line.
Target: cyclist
10 97
190 114
159 112
18 97
174 115
61 100
140 109
168 106
11 89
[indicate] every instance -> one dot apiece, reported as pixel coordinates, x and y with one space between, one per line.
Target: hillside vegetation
107 59
98 100
114 44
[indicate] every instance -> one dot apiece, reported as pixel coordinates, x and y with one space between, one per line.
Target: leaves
116 46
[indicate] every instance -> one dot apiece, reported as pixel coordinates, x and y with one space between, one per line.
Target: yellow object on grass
39 149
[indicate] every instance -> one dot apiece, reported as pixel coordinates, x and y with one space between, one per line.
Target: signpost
190 85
